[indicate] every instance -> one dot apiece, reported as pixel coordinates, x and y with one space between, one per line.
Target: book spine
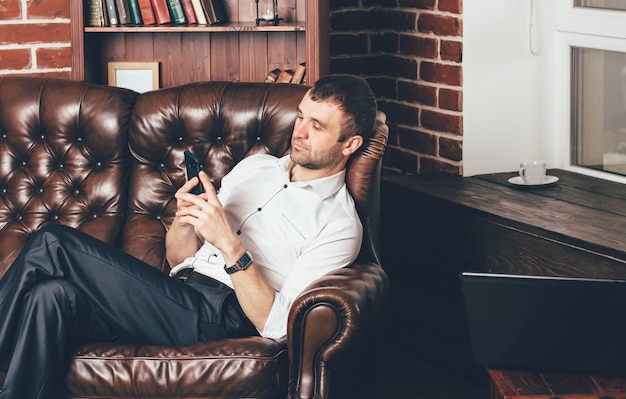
177 12
96 15
272 76
220 11
147 13
208 9
190 14
112 13
199 11
161 12
285 76
135 13
298 74
122 12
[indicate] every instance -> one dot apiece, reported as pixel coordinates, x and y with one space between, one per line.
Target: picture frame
137 76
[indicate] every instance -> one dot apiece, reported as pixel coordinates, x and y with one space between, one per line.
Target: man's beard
318 160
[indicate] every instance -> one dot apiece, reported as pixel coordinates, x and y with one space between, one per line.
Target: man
242 255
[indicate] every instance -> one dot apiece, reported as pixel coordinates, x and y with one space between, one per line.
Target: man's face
314 142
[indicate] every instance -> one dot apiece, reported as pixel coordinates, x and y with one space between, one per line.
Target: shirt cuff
276 324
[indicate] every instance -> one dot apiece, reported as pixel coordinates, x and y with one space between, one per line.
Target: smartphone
192 166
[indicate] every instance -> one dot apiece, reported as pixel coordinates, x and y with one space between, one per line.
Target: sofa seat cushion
253 367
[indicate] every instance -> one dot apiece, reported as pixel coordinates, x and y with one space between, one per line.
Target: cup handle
522 172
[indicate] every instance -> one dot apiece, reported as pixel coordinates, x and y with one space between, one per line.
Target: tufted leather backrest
63 159
221 123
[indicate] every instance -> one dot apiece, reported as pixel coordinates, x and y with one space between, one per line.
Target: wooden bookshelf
236 51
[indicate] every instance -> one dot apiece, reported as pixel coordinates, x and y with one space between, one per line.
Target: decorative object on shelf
137 76
270 15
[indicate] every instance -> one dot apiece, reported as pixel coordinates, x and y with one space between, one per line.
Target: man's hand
206 214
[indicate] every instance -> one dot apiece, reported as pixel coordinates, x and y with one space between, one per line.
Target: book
161 12
105 14
272 76
284 76
112 13
199 11
298 74
190 14
95 13
177 12
147 13
215 11
122 12
135 13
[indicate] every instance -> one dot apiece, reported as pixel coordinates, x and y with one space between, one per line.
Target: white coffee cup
532 172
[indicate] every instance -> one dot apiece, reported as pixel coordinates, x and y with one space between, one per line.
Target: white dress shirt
295 231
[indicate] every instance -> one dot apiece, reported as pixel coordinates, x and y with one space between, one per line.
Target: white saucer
518 181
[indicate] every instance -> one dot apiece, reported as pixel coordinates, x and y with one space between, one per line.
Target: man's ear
352 144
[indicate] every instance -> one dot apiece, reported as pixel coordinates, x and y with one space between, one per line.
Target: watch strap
242 263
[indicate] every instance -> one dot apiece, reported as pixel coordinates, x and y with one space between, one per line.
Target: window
606 4
599 110
594 32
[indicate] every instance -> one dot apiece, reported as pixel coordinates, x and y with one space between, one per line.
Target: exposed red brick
349 44
451 99
54 57
10 9
15 59
50 74
453 6
451 149
35 33
48 9
400 159
384 42
417 93
424 143
403 114
443 25
451 50
441 73
402 20
356 20
432 165
421 4
441 122
424 47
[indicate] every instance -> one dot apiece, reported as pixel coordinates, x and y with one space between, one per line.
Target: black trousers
67 288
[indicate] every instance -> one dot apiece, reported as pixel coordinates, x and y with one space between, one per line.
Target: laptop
546 323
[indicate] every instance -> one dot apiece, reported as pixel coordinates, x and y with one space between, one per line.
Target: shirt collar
324 186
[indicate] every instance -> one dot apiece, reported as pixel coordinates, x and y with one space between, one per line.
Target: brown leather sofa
107 161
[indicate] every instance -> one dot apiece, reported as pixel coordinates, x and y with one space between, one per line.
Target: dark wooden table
517 384
436 226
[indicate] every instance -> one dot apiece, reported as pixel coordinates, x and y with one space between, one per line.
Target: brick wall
410 51
35 37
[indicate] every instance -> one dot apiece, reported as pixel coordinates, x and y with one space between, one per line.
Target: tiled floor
402 375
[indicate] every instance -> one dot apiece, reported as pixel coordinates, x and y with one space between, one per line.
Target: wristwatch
242 263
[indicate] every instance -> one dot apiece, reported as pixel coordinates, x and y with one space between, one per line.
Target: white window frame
582 27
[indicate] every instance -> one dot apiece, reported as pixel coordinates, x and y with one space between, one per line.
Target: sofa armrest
327 320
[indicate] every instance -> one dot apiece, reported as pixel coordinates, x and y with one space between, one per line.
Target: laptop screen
546 323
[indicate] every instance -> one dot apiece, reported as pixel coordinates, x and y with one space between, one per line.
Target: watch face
245 260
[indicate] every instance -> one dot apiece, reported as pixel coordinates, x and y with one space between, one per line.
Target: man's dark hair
354 97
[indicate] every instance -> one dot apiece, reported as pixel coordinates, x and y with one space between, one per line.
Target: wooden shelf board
229 27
